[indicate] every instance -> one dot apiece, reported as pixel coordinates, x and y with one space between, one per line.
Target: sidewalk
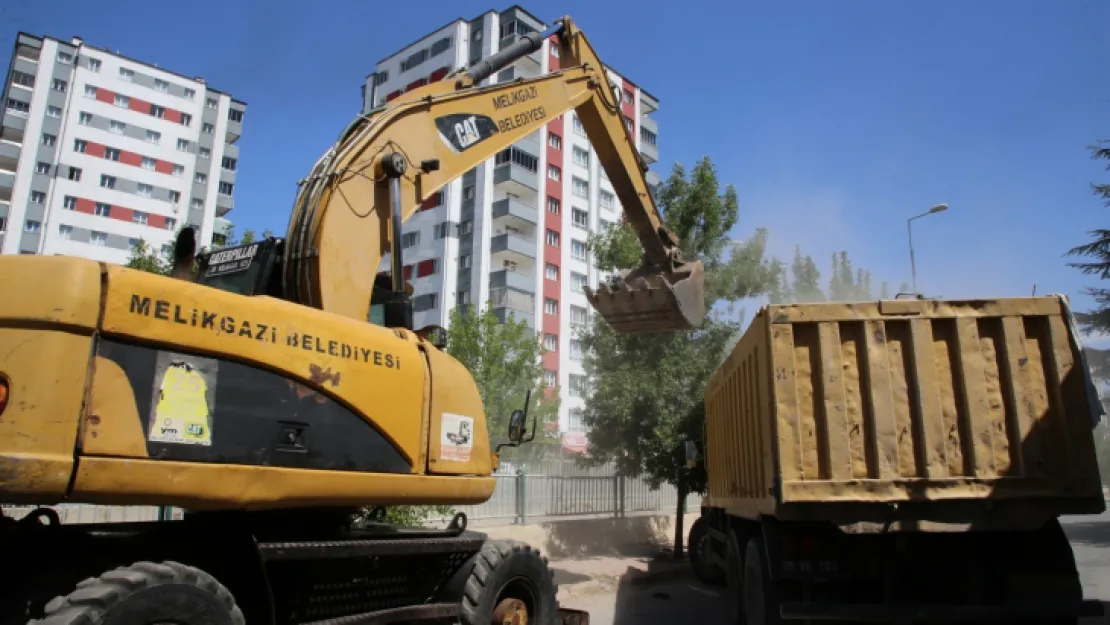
598 575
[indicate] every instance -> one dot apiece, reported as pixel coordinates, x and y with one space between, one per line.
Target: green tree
807 279
1098 251
505 360
145 257
644 397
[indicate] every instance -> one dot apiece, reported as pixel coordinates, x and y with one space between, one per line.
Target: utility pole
939 208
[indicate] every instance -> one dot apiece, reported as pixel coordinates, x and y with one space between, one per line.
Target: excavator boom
348 212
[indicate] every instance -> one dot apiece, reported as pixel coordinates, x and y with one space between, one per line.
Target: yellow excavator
258 393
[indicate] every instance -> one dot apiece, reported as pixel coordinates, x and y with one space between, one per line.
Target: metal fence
523 493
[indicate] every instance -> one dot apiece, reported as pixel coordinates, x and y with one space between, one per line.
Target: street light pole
939 208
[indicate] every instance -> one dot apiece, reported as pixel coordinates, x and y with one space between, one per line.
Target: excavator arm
348 212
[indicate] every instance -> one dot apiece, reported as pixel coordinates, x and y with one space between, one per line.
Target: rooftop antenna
1034 290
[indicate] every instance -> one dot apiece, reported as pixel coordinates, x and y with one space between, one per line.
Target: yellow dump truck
900 460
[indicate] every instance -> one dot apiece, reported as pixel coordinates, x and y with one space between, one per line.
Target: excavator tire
146 593
510 583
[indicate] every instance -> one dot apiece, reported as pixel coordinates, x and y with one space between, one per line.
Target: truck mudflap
568 616
913 612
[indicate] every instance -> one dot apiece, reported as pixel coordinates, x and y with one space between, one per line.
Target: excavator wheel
146 593
510 584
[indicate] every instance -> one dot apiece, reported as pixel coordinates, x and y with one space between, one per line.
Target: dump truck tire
697 545
734 577
760 599
146 593
509 579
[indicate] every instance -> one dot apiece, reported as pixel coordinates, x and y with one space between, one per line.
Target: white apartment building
512 232
98 150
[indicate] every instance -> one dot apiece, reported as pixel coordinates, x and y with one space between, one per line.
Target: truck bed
851 410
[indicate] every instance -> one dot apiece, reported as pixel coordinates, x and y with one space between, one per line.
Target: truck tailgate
904 400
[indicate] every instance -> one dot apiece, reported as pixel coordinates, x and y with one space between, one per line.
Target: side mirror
517 426
691 455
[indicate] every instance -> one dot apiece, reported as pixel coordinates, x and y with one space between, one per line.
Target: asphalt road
684 600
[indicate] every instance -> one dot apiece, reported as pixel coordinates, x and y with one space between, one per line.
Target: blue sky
835 121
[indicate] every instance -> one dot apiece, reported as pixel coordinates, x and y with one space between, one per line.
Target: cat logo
466 132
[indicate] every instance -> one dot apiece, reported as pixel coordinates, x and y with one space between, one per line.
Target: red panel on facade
139 106
163 167
551 326
105 96
425 268
392 95
173 116
94 149
432 202
86 206
628 107
416 83
550 361
130 158
156 221
438 74
121 213
408 272
552 60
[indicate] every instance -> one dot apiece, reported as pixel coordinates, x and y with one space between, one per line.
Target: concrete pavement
650 593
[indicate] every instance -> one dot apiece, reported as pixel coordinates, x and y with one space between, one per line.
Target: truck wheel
146 593
510 583
699 545
761 605
734 578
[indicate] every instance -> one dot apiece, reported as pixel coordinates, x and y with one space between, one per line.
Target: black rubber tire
761 604
698 543
145 593
510 568
734 578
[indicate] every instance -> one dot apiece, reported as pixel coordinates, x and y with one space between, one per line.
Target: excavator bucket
643 301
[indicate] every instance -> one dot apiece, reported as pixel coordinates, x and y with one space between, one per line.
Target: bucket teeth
648 302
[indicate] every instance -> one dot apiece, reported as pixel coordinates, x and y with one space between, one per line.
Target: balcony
514 213
513 248
516 180
221 226
648 103
514 280
11 128
653 179
649 136
508 304
224 204
7 181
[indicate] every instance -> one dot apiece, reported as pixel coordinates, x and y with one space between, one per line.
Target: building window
182 145
53 111
118 127
161 85
550 342
108 182
103 210
111 154
145 190
580 188
139 217
468 192
94 64
149 163
171 223
424 302
577 384
518 157
226 188
98 238
578 315
18 107
75 174
126 75
605 199
647 136
628 95
178 170
38 197
554 50
122 100
90 91
196 204
59 85
190 93
157 111
175 197
84 118
551 272
574 421
234 115
42 168
211 103
69 202
409 239
229 163
549 378
440 231
581 157
65 57
200 178
466 227
575 350
577 250
3 224
462 298
32 226
553 173
48 139
204 152
580 217
208 129
186 119
577 281
555 141
550 306
552 238
464 261
65 232
578 128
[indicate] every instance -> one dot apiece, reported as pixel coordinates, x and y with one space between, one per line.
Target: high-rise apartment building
98 150
511 233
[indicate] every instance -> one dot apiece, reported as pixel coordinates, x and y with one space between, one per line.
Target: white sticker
182 409
456 437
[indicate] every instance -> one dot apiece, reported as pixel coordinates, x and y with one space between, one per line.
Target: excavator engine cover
645 300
